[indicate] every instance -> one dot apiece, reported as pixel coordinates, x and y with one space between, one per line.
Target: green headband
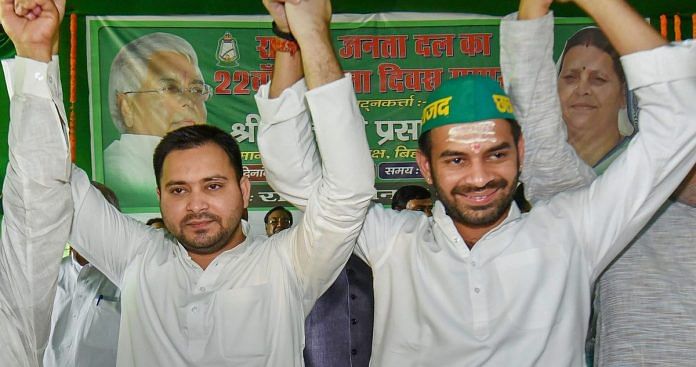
465 100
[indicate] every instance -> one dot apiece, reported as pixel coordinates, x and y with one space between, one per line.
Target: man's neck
471 234
204 260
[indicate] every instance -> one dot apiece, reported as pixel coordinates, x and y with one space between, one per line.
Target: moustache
493 184
200 216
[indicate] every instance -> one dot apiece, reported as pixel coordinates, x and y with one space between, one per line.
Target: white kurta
521 296
247 308
646 299
85 320
38 209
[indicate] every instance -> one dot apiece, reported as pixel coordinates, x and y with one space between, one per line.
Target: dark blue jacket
338 330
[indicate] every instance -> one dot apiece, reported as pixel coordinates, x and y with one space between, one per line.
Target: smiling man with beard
480 283
640 319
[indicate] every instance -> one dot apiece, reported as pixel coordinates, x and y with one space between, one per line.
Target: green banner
395 60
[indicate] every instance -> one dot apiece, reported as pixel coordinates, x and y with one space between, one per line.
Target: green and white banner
395 60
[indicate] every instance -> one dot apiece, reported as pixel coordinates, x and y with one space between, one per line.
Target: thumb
49 6
60 7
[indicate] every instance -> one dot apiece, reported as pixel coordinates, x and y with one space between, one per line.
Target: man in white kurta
247 306
646 298
86 312
521 295
86 317
36 199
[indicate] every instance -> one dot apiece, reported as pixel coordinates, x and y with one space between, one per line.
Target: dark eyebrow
176 81
502 146
169 80
215 178
174 183
207 179
451 153
454 153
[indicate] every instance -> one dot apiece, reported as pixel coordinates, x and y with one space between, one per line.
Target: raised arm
36 193
627 31
107 238
285 137
661 154
526 59
337 204
103 235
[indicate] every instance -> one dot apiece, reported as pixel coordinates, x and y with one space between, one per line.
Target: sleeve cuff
338 97
289 104
337 86
521 31
659 65
27 76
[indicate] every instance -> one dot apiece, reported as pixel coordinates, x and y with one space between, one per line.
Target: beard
478 216
205 241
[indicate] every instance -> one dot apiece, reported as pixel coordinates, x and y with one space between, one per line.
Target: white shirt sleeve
337 203
606 215
286 140
107 238
551 165
100 233
38 209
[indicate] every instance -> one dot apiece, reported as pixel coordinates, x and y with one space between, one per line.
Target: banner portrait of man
155 86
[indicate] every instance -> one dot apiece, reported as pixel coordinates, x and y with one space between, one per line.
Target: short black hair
425 144
407 193
152 221
279 207
195 136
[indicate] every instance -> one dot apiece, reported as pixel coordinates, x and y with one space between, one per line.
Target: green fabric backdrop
648 8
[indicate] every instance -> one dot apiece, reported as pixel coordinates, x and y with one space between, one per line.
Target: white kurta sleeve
607 215
337 203
107 238
286 141
551 165
38 208
100 233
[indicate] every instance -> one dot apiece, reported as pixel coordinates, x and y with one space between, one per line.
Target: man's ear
124 106
424 164
245 188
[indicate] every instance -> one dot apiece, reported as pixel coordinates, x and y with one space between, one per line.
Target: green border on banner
97 25
95 97
221 23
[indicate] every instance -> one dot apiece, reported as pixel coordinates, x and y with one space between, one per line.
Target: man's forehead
420 202
197 164
472 136
173 65
279 213
475 132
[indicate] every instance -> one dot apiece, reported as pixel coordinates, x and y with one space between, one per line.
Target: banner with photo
149 75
